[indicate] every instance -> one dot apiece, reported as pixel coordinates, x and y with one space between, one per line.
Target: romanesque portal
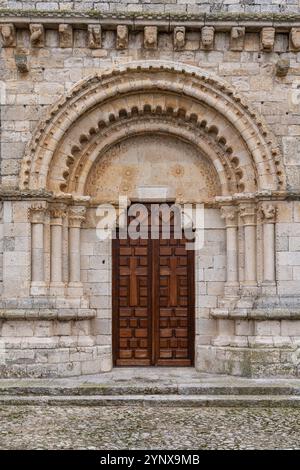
150 130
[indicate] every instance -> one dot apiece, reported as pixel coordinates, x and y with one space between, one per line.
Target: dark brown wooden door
153 302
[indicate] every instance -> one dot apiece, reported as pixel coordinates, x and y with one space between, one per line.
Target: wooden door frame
154 326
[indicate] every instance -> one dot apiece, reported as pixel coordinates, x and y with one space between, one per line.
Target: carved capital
248 214
94 36
76 216
37 35
208 37
37 213
268 213
237 38
295 39
122 36
229 214
8 35
267 38
65 35
179 38
150 37
57 214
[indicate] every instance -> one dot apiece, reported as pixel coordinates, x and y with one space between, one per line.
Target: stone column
248 218
229 214
56 247
268 214
37 218
76 217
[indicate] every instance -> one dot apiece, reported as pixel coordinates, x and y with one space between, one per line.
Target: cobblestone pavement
44 427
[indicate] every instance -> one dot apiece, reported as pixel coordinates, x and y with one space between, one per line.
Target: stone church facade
196 100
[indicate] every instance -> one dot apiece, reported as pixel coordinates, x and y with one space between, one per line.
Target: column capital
76 216
37 213
248 214
57 213
229 214
268 212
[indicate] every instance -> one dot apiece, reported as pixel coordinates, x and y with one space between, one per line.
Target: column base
38 288
57 289
75 289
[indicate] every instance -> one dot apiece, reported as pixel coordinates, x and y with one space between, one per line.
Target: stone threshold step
155 400
146 390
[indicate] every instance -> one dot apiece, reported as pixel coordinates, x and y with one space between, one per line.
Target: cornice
165 21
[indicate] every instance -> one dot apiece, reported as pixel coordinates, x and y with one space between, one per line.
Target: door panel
153 302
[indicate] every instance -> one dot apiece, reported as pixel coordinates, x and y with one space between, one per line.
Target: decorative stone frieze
207 37
150 37
237 38
37 35
179 38
65 35
8 35
122 36
267 38
94 36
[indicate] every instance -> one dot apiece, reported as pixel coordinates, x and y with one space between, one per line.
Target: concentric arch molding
178 97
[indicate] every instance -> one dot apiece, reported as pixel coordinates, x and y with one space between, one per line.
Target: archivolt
158 98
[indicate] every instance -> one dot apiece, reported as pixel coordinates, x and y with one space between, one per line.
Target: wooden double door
153 302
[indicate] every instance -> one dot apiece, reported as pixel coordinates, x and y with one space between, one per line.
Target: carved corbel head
65 35
179 37
237 38
122 36
295 39
150 37
8 35
207 37
37 35
267 38
94 36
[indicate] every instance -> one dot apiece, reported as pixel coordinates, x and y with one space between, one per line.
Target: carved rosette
268 213
76 216
229 214
122 36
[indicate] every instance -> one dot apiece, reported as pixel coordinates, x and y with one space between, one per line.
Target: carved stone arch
182 100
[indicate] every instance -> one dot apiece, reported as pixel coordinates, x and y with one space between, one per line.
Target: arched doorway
156 127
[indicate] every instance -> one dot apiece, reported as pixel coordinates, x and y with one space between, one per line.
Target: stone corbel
150 37
208 37
237 38
65 35
122 36
37 35
8 35
94 36
294 39
179 38
267 39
